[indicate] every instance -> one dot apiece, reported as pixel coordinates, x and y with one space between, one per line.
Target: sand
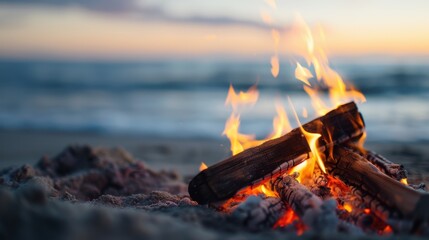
100 193
181 155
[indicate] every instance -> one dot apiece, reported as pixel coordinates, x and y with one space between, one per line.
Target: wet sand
181 155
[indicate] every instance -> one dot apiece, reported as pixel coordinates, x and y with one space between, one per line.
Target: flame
275 66
239 141
404 181
242 98
303 74
322 76
315 55
348 207
312 143
203 166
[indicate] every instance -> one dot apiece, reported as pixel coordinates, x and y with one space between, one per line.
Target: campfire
317 177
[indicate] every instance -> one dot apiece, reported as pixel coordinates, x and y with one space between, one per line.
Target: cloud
136 10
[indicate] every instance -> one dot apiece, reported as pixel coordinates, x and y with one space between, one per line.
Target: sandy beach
181 155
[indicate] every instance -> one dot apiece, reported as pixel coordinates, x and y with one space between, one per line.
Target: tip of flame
203 166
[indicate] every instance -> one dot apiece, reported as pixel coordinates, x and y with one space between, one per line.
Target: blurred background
152 76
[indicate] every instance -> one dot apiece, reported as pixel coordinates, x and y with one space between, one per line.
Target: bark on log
259 212
391 169
355 170
222 180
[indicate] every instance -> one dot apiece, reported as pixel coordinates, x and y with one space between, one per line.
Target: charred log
391 169
259 212
355 170
222 180
318 215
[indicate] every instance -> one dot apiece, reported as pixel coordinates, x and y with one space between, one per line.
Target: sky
150 29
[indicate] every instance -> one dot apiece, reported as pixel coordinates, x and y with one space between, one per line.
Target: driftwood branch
222 180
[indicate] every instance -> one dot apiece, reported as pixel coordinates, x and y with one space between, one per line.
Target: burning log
317 214
222 180
355 170
259 212
391 169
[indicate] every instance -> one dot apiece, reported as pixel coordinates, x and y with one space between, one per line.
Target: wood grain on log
355 170
272 158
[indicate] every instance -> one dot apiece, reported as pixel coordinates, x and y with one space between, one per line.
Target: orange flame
275 66
303 74
315 56
312 143
203 166
240 142
242 98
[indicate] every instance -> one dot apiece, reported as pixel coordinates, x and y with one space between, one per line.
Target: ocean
186 99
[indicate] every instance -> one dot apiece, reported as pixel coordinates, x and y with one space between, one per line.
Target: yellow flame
312 143
239 141
348 207
300 169
315 55
281 124
203 166
303 74
404 181
242 98
268 192
275 66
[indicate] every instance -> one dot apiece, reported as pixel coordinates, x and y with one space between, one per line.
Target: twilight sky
191 28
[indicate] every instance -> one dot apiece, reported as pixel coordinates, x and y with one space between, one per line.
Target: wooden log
391 169
304 203
317 214
272 158
259 212
355 170
296 195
